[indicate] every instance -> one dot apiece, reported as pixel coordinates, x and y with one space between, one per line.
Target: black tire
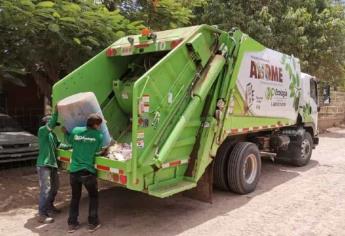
300 152
243 176
220 166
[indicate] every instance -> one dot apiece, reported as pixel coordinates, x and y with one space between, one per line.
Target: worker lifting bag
74 111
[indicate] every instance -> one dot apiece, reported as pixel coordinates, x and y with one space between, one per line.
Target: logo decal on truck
259 70
268 85
274 92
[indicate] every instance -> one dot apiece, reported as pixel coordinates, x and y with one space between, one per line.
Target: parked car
15 143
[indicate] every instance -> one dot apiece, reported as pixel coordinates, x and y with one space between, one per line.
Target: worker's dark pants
49 185
77 179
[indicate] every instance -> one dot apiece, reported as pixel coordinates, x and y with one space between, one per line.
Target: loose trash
120 152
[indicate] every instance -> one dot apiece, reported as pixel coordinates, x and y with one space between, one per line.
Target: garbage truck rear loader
197 105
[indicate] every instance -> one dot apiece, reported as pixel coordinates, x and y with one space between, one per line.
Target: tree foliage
48 39
312 30
160 14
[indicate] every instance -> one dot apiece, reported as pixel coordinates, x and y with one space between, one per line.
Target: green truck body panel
160 94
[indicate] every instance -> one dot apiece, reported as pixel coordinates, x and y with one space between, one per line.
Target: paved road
288 201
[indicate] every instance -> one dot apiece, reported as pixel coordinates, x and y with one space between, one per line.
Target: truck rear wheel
301 151
220 166
244 168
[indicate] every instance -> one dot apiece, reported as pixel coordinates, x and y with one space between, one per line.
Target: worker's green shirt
86 143
48 143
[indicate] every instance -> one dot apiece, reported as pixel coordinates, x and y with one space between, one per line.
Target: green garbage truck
198 108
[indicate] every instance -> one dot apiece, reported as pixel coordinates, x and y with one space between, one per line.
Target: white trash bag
74 111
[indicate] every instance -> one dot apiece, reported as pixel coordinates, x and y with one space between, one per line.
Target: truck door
314 101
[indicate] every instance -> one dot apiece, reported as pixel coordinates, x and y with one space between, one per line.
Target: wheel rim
250 168
305 148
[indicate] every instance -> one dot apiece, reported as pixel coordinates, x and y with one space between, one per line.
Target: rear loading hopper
152 90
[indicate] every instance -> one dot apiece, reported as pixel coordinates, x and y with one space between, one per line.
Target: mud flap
204 190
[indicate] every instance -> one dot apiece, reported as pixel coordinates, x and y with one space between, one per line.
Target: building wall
2 97
334 113
24 104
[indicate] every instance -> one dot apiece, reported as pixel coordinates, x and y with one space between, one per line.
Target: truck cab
308 105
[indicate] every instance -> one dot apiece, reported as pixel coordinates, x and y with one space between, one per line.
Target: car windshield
8 124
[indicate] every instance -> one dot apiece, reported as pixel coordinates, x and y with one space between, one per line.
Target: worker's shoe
54 211
72 228
45 219
93 228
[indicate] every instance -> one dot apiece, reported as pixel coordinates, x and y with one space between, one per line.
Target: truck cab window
313 90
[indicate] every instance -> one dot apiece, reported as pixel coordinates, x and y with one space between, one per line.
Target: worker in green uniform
86 143
47 169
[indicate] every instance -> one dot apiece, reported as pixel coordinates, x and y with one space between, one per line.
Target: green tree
160 14
312 30
46 39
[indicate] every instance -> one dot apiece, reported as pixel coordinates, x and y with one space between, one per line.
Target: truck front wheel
301 151
244 168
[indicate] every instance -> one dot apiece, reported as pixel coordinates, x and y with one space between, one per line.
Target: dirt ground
288 201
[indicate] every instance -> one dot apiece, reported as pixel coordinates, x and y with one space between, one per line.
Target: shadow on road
19 189
125 212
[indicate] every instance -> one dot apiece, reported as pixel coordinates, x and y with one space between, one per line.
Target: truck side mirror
326 94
